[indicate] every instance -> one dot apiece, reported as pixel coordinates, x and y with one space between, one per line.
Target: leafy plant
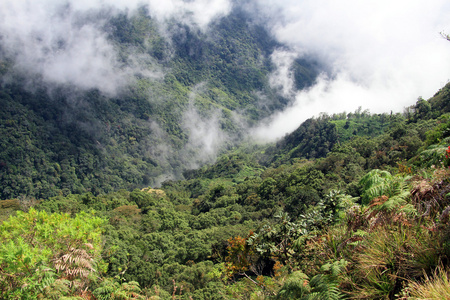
112 290
57 246
322 286
389 256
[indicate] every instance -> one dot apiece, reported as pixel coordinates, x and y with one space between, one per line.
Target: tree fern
323 286
388 196
434 155
295 287
112 290
57 289
329 292
334 268
375 184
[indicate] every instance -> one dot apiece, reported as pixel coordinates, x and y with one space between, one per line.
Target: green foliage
434 155
58 140
112 290
389 256
314 138
440 102
360 124
39 251
299 198
275 240
321 286
379 183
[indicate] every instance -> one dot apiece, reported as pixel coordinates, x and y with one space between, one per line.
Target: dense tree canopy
294 226
111 197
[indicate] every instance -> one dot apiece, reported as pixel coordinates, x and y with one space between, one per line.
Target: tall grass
389 257
435 287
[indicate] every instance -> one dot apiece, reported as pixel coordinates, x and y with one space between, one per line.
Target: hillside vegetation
154 191
348 206
193 94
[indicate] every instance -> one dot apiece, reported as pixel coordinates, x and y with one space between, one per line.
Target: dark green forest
107 198
59 139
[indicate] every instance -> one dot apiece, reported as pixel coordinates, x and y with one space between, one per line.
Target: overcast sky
382 55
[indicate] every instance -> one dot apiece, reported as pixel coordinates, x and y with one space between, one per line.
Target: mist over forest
195 78
152 89
222 149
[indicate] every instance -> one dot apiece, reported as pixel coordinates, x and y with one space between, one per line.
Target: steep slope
238 229
189 94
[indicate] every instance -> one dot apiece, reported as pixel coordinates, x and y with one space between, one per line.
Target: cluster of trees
352 205
58 139
367 217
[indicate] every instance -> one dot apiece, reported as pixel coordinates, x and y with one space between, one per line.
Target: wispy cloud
381 55
196 12
53 39
65 41
282 79
206 137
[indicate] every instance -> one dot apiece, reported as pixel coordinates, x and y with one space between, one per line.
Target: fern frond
324 288
433 155
375 184
374 177
332 293
75 263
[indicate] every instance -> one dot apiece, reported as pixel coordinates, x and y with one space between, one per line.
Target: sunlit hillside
213 149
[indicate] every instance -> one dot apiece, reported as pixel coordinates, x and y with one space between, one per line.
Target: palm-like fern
375 184
434 155
324 289
387 196
323 286
112 290
379 183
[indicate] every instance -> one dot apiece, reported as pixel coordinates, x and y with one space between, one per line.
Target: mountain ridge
146 133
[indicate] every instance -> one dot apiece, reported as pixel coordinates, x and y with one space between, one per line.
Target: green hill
61 139
347 206
332 224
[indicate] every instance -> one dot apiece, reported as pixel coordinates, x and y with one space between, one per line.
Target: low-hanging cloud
282 79
196 12
53 39
380 55
206 137
65 41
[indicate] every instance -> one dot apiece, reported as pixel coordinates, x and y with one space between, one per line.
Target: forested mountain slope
366 219
142 182
189 95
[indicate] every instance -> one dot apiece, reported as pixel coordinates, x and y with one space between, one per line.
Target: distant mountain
188 95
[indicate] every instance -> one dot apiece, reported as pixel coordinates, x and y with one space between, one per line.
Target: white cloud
382 54
206 137
65 43
282 78
51 38
198 12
